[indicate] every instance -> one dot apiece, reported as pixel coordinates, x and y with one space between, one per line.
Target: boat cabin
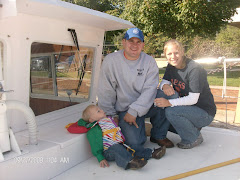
50 57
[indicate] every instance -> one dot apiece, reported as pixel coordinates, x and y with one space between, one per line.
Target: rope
204 169
221 69
129 149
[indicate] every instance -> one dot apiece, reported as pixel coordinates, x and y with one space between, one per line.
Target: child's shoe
136 163
158 153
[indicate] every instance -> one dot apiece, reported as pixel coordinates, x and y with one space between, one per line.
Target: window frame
55 96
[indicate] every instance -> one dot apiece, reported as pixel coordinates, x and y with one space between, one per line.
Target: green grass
216 79
161 73
233 78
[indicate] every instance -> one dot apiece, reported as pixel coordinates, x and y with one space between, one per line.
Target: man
127 88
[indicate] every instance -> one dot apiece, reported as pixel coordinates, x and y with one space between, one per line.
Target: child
106 140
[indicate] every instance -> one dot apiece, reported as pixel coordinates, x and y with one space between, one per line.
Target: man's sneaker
198 141
162 142
158 153
136 163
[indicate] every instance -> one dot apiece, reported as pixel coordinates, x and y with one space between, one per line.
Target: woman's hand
162 102
168 90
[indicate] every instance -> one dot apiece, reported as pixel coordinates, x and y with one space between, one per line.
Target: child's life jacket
111 133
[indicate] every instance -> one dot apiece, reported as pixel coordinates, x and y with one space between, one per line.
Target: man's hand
168 90
116 120
130 119
162 102
104 163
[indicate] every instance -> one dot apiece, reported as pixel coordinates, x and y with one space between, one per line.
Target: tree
99 5
226 43
180 17
229 39
173 18
194 22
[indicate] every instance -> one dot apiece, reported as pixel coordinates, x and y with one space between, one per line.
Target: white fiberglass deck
220 145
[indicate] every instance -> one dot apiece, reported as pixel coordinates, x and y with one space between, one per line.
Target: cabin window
60 76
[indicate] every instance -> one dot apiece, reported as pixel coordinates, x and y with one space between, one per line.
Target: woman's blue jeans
186 120
119 154
136 137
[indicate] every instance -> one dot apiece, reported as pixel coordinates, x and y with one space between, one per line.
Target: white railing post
224 78
224 93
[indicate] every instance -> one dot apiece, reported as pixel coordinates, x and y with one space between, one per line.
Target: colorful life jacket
111 133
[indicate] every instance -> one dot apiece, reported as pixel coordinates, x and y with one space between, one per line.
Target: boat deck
220 145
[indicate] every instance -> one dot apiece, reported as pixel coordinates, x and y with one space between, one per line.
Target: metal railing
226 64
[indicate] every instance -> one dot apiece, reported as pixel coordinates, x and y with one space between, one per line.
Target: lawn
233 78
216 79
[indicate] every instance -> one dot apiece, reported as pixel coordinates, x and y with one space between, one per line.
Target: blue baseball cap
134 32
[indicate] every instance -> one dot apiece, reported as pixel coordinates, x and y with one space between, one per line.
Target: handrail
224 61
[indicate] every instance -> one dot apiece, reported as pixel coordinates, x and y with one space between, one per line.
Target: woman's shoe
198 141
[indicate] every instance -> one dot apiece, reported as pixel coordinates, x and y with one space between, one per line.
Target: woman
195 107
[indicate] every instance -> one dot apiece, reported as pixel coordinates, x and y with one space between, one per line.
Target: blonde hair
86 113
180 48
173 42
